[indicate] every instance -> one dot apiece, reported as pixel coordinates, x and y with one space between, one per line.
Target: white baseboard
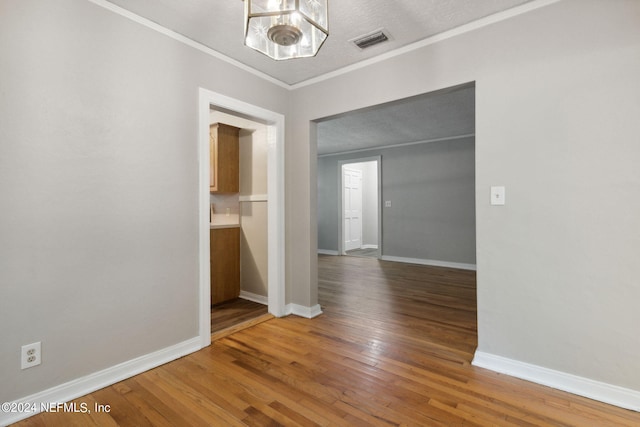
369 247
327 252
602 392
432 262
254 198
260 299
302 311
92 382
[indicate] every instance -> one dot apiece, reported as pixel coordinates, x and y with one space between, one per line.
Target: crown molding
403 144
472 26
186 40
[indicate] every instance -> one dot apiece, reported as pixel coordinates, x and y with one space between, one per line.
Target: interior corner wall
328 210
99 179
431 187
557 125
253 212
301 204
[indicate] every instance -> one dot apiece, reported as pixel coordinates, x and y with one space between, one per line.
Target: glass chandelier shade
285 29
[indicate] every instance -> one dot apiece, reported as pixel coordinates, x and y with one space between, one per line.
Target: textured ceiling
219 24
443 114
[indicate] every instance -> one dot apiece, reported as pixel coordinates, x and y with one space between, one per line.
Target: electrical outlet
31 355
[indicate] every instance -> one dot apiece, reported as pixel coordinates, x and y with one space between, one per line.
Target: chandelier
285 29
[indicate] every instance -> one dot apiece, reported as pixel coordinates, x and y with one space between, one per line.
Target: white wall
99 184
253 210
369 204
556 119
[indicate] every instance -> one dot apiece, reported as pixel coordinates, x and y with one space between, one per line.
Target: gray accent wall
431 187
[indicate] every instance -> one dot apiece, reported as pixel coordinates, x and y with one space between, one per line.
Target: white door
352 206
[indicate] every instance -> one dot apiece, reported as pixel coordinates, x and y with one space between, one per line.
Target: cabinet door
225 264
226 161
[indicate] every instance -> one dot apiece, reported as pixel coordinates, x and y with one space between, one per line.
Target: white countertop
225 221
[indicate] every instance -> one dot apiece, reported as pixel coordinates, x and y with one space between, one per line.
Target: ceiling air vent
371 39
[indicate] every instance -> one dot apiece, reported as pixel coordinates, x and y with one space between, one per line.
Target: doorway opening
428 189
273 198
239 235
359 231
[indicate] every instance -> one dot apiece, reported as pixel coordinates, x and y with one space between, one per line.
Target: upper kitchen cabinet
224 162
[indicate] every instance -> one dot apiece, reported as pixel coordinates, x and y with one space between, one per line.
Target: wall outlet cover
31 355
498 195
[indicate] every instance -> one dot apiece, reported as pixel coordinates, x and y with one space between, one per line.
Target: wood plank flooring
393 348
372 253
232 313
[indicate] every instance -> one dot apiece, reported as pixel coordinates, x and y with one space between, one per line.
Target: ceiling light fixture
285 29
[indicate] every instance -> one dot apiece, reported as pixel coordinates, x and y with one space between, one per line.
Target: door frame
275 202
341 163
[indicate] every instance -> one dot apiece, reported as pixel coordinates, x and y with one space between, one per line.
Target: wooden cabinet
225 264
224 173
224 176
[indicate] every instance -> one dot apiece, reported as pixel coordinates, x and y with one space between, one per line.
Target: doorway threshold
240 326
366 252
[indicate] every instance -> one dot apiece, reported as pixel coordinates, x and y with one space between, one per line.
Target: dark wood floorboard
371 253
234 312
392 348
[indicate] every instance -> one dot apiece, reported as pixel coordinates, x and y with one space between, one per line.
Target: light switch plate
497 195
387 203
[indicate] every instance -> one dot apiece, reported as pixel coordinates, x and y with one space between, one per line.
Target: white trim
369 246
327 252
104 378
602 392
276 214
275 209
302 311
185 40
472 26
404 144
249 296
254 198
204 224
432 262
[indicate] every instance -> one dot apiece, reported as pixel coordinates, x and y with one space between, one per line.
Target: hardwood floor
232 313
371 253
392 348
